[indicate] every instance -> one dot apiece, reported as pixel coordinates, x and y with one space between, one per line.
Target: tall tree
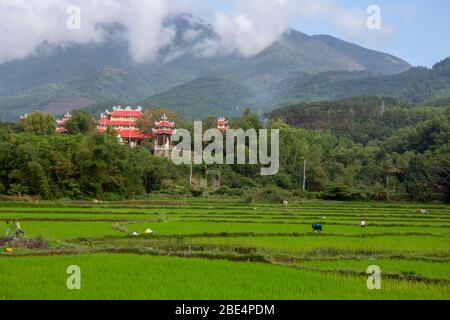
39 123
81 122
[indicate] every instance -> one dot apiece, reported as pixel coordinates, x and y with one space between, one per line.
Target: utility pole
304 174
190 175
206 177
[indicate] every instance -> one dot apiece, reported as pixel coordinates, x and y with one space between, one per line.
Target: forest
353 149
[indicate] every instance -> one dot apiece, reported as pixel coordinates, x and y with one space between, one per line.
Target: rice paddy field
220 248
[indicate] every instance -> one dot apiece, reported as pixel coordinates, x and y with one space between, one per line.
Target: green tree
80 122
39 123
36 179
248 120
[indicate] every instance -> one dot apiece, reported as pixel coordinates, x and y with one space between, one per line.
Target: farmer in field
363 224
14 230
317 227
19 230
9 231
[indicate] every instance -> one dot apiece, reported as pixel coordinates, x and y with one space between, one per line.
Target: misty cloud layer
248 28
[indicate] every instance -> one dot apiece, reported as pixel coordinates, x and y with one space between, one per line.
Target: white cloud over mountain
247 28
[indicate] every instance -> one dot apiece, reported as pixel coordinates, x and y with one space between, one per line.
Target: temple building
222 124
124 123
60 124
163 136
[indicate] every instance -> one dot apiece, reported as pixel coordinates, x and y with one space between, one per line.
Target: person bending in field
9 231
363 224
317 227
19 230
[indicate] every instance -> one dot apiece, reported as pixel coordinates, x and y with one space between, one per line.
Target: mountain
417 85
64 78
206 96
371 60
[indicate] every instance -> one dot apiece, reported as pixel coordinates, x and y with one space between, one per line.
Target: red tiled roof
165 124
128 133
126 113
108 122
133 134
163 131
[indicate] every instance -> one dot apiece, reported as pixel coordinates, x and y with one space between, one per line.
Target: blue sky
419 29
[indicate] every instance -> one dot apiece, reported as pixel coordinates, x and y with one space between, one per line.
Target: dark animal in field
317 227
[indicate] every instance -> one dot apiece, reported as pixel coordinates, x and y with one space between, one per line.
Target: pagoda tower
222 124
163 136
61 124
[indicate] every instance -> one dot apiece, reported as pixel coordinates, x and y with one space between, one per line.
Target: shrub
111 197
306 194
380 193
300 194
227 191
337 192
271 194
282 180
197 192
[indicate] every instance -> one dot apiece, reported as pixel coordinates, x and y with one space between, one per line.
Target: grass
229 233
140 277
68 230
397 244
421 268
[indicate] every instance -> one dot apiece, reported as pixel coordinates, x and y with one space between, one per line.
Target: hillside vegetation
353 152
417 85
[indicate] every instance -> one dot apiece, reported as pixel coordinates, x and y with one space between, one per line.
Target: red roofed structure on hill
60 124
222 124
124 123
163 132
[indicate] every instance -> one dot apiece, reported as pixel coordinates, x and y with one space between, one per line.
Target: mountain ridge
103 72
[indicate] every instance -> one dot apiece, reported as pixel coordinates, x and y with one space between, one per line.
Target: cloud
349 23
247 28
352 24
26 25
253 25
146 34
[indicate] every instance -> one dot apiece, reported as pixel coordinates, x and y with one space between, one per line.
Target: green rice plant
142 277
413 267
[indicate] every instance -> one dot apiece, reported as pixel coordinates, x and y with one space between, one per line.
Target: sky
419 30
415 30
